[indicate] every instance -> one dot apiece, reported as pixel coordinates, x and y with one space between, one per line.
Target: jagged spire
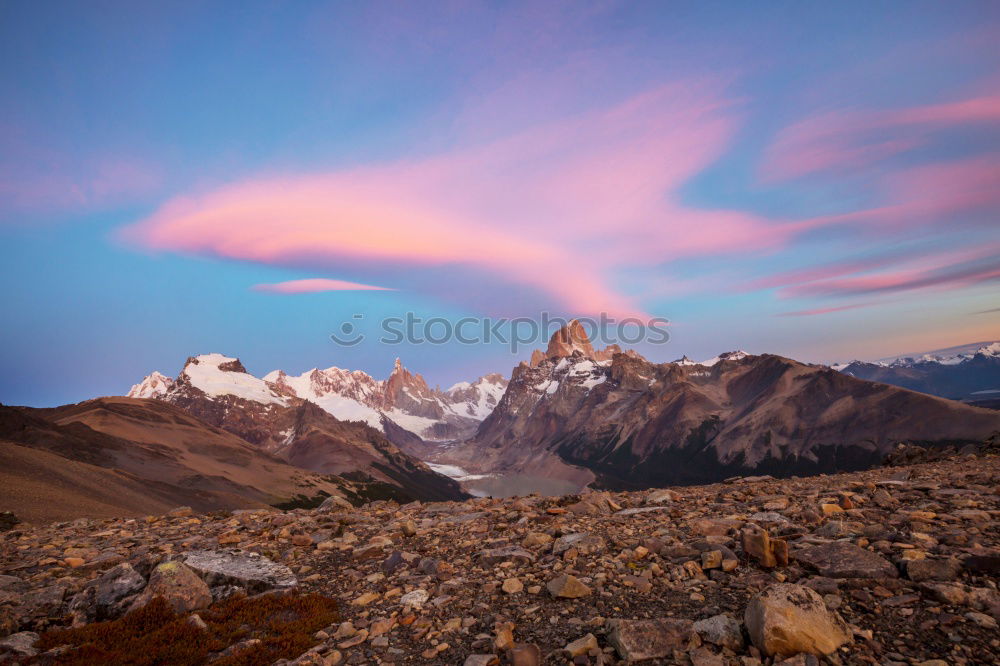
568 339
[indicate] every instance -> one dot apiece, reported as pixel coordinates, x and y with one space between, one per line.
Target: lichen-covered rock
721 630
251 571
107 596
181 587
788 619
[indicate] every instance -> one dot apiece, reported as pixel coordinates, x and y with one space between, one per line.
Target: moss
155 635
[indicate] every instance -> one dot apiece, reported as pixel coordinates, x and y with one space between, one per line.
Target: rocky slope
630 423
968 374
134 456
123 456
894 566
401 406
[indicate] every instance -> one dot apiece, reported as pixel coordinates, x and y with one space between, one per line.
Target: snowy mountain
725 356
967 372
404 398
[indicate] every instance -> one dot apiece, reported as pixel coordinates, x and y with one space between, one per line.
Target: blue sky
816 181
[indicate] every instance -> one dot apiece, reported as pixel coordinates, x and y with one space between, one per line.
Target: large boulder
636 640
251 571
108 595
840 559
335 503
179 586
788 619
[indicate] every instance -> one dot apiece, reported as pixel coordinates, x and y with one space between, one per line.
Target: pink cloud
313 285
935 194
948 271
849 140
557 208
821 311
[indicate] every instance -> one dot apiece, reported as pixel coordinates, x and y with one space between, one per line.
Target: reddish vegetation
284 625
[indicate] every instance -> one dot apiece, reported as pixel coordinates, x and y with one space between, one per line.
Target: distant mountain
970 373
399 405
625 422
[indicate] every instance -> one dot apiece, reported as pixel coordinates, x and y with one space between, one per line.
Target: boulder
179 586
567 587
924 570
582 646
493 556
636 640
840 559
334 503
662 496
720 630
251 571
767 551
108 595
21 644
788 619
584 543
525 654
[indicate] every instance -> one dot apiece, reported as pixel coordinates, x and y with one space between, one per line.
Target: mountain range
970 373
624 423
402 401
570 417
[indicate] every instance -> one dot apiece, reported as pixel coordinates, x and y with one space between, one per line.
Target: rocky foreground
897 565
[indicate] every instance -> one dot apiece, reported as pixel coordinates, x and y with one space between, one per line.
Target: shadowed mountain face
972 377
122 456
629 423
125 456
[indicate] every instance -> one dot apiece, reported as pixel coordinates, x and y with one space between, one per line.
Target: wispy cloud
849 140
314 285
982 269
556 208
822 311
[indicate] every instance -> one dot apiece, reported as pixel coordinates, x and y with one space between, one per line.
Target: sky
816 180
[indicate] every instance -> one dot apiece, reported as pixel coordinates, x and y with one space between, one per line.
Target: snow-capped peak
477 399
737 355
350 395
217 375
153 385
949 356
992 349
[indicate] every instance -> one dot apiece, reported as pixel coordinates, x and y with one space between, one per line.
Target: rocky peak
153 385
570 338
